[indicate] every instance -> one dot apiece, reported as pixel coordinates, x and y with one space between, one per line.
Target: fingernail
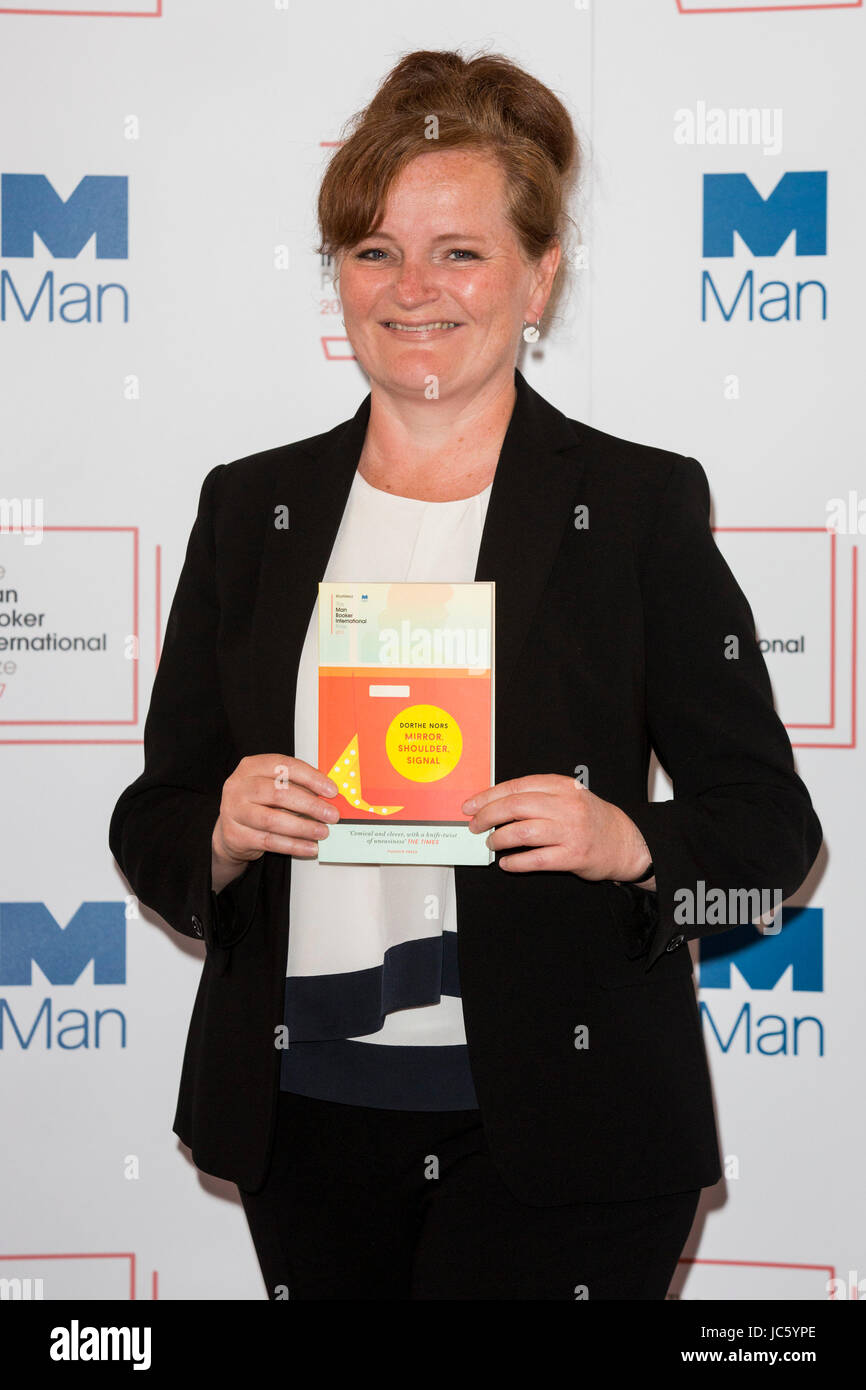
330 788
469 805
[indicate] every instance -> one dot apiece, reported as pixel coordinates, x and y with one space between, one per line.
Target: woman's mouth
435 326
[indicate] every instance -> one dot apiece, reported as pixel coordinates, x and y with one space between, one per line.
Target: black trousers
380 1204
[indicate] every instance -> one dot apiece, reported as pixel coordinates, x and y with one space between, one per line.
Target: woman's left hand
562 825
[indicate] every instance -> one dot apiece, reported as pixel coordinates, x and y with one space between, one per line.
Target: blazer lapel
530 505
531 501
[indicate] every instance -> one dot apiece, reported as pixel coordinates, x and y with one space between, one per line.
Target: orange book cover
406 718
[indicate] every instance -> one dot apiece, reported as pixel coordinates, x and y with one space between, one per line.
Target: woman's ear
545 274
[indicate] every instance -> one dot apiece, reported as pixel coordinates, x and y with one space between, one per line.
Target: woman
506 1096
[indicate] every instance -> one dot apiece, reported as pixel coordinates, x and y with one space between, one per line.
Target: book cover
406 714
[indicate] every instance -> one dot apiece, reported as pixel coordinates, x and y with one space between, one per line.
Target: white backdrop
225 338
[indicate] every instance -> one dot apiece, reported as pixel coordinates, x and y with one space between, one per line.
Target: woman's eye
373 253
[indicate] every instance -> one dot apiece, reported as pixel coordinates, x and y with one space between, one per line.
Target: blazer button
198 929
674 942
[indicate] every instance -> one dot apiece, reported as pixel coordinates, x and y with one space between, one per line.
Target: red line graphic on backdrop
93 1255
155 12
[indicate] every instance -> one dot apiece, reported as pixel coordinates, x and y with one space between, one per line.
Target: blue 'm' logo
97 206
797 204
763 960
29 932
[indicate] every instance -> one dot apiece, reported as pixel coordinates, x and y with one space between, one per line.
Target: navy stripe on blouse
325 1013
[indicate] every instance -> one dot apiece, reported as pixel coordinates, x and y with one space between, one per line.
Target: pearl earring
531 332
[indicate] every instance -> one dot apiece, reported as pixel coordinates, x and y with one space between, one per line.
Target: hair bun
488 91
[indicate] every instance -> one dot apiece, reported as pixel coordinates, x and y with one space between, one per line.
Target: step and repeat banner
163 309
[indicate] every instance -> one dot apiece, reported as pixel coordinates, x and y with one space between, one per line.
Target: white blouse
373 1007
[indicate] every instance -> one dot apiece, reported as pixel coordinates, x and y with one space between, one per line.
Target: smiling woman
495 1084
444 249
434 301
446 263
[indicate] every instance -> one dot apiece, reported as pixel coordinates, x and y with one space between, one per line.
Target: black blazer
610 640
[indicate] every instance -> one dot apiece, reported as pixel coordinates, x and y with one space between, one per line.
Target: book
406 718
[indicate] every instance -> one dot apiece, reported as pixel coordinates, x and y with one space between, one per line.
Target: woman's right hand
270 802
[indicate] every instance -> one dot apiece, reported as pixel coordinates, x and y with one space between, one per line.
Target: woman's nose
415 283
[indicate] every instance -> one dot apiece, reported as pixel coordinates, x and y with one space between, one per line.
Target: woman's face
441 289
